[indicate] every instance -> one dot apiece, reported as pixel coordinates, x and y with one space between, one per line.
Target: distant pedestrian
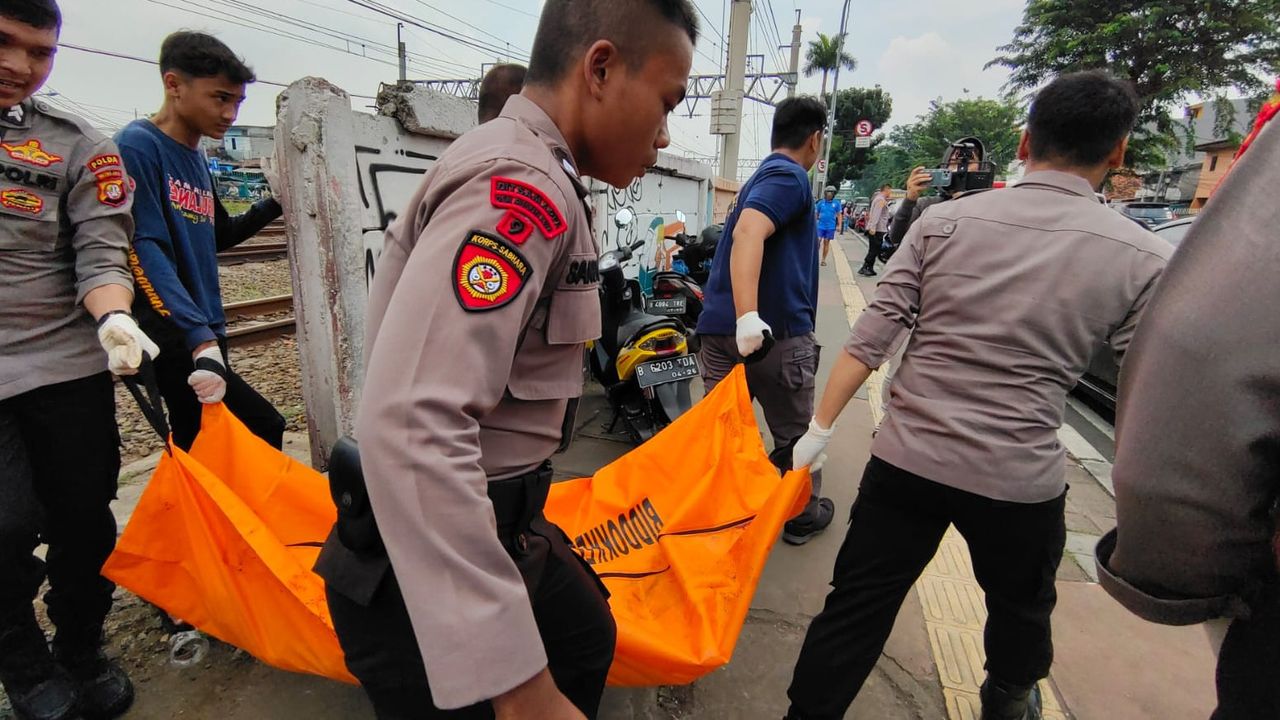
827 212
501 82
1197 471
764 285
1006 294
877 226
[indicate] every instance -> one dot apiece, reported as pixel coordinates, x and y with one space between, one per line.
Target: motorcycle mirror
680 217
624 218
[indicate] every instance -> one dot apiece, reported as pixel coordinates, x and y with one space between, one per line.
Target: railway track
256 252
257 333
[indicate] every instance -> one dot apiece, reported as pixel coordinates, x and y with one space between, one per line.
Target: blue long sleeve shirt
180 227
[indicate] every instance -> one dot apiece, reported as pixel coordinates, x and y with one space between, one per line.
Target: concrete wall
344 176
1217 163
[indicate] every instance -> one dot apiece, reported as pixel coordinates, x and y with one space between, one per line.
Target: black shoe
809 524
105 690
866 271
1001 701
51 699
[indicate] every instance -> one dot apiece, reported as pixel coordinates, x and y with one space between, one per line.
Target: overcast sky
916 50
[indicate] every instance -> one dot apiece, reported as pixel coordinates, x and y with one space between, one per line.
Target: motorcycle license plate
660 372
667 306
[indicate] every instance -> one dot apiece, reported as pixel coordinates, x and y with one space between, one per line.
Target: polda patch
488 273
32 153
103 161
529 203
23 201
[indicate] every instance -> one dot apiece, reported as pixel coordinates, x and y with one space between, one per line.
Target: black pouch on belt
357 528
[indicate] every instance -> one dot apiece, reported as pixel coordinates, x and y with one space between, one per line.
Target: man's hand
124 342
751 330
537 699
918 182
809 449
210 378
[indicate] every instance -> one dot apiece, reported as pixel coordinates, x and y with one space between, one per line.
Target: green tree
997 123
825 55
1170 50
853 105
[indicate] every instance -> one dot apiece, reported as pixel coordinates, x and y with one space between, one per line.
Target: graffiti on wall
389 172
653 201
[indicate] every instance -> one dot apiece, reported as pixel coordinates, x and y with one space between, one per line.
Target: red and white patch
112 188
23 201
529 203
488 273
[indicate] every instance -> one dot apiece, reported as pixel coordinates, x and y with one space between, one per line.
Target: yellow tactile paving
954 609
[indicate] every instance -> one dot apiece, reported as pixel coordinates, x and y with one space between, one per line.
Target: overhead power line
461 39
134 58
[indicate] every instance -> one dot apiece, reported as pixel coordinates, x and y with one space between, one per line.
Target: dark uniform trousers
875 241
1249 661
175 365
569 602
783 382
59 460
895 527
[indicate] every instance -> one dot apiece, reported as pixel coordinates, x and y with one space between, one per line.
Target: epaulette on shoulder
79 123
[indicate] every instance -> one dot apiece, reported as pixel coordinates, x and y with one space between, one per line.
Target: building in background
1207 136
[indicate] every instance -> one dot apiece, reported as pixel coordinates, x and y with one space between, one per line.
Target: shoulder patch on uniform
32 153
23 201
514 227
112 188
103 161
530 203
488 273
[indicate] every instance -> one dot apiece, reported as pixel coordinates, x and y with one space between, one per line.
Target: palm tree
825 55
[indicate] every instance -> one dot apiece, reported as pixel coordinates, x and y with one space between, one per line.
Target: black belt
517 502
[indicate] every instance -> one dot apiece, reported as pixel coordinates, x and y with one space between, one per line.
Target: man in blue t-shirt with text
180 228
764 282
827 212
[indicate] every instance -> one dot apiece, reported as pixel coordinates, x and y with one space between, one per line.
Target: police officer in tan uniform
475 340
64 236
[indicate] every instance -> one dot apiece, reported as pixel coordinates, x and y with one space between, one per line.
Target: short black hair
43 14
1080 117
500 83
569 27
199 55
795 120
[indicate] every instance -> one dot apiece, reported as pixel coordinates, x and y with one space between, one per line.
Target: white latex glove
210 387
751 330
809 449
124 342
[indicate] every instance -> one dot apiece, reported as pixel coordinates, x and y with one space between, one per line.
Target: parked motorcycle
678 293
642 360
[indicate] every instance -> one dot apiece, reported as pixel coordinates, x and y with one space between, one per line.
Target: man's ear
598 65
1116 158
1024 146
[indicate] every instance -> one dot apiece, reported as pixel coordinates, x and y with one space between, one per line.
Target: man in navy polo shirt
764 281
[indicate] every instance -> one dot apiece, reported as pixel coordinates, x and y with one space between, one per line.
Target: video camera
964 167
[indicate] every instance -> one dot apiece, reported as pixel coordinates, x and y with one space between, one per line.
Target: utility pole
404 55
820 177
795 57
726 111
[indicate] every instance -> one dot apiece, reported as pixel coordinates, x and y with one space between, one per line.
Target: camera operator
963 169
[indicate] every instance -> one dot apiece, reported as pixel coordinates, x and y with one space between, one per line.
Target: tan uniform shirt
479 309
65 225
1009 293
1198 444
